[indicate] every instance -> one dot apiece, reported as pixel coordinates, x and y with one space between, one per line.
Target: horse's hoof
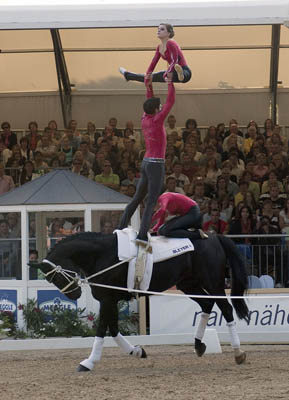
200 350
82 368
143 353
138 352
240 358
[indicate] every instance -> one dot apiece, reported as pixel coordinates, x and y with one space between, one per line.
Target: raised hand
169 77
148 80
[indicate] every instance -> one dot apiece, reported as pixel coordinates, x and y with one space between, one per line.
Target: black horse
201 272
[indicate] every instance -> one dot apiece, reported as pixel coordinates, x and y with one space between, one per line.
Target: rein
109 268
77 279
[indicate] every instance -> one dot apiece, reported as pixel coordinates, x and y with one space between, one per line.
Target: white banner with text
269 318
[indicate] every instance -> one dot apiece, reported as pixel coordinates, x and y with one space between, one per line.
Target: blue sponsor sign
51 300
8 302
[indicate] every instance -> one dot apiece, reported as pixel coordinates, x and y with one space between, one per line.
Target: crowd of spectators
238 177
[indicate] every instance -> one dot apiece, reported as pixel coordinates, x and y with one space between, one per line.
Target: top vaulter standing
168 50
152 168
153 164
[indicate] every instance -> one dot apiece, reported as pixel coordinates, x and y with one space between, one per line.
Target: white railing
265 255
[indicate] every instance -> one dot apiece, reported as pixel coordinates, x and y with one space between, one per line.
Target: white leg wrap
135 351
95 354
123 343
202 326
235 340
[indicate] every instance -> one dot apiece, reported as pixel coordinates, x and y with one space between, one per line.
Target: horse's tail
239 282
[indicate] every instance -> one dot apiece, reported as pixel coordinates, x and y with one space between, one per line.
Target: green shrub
7 323
69 323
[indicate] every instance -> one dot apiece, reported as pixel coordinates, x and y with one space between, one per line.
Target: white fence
265 255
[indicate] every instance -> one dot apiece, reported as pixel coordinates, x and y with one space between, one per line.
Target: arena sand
169 373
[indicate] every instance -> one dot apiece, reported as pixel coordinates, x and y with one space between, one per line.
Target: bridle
57 269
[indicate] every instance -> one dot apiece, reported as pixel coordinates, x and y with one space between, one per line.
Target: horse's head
65 279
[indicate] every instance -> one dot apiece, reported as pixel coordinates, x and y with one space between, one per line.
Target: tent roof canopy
219 33
47 14
62 187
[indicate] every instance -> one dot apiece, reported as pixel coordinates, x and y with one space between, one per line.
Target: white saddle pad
163 249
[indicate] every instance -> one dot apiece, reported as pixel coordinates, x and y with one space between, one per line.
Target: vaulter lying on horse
185 224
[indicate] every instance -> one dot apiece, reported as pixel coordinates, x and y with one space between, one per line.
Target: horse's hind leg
200 347
240 355
227 311
206 306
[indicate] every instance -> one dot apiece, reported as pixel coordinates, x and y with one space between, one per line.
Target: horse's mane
80 236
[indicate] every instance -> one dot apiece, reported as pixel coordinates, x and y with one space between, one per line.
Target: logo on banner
8 302
53 300
7 305
57 304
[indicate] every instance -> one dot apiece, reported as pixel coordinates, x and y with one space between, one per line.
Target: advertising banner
182 315
50 300
8 301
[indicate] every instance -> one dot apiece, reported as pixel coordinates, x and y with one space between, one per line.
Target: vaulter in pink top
173 55
153 164
169 51
153 127
187 215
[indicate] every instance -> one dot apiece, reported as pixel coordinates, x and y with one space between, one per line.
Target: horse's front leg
95 355
106 314
108 319
121 341
136 351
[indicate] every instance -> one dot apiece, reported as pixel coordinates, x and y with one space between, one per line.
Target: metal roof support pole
62 77
275 45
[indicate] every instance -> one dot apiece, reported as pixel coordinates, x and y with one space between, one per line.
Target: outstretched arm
160 217
160 214
170 101
154 61
149 86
